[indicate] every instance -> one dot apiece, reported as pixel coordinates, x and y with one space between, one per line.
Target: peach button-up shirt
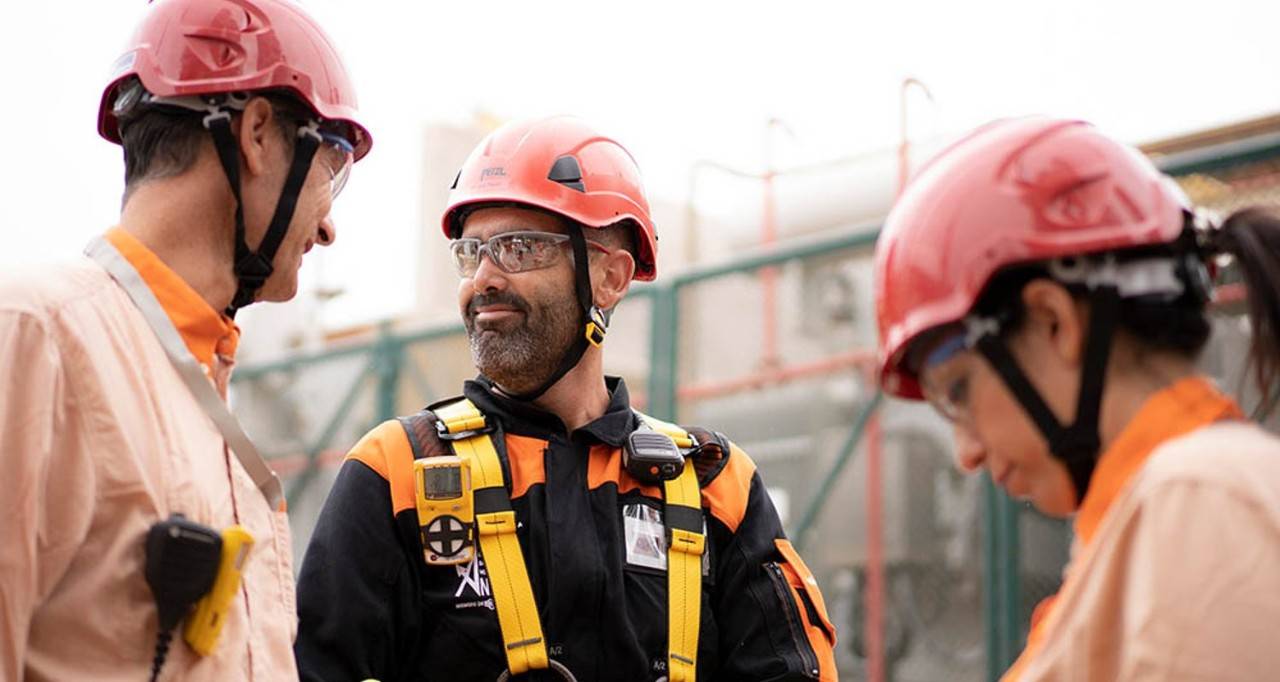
1175 571
100 439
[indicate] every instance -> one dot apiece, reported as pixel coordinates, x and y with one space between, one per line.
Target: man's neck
187 228
581 396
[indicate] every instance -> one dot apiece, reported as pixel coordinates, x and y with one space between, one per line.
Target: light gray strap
188 368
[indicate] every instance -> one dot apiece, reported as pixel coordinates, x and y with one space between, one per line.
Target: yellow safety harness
468 432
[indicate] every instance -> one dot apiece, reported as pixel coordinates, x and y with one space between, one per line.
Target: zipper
782 588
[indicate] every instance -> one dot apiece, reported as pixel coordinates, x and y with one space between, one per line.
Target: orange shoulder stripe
727 494
527 467
386 450
604 465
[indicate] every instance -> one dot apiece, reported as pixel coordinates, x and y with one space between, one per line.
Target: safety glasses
947 390
338 154
512 252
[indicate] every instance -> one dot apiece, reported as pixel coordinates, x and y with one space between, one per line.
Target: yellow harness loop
522 639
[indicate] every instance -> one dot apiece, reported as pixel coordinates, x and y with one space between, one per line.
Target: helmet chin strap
253 268
1077 445
593 327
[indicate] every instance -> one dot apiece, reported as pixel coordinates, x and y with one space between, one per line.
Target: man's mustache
499 298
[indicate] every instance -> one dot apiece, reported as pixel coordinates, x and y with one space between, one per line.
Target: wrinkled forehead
483 223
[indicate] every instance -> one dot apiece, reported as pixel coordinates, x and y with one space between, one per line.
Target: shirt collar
206 332
523 418
1171 412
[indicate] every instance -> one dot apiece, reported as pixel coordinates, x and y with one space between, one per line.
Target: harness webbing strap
685 546
684 573
522 638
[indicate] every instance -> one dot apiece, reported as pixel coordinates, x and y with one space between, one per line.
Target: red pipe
873 625
777 375
768 277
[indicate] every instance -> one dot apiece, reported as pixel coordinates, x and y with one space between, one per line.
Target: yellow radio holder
204 624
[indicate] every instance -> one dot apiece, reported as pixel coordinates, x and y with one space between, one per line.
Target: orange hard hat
561 165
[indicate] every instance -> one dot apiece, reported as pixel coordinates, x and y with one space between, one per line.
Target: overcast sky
675 81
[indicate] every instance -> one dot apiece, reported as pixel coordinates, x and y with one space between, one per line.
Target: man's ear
1055 318
256 135
611 275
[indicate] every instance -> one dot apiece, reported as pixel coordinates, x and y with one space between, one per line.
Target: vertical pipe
691 238
389 351
1011 574
990 581
875 589
1001 580
904 142
768 275
663 331
769 236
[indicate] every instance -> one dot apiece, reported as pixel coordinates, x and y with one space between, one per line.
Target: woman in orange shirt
1045 287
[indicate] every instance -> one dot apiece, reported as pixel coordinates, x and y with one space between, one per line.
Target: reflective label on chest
646 538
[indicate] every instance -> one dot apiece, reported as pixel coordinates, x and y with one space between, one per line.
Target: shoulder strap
188 368
424 439
465 428
685 546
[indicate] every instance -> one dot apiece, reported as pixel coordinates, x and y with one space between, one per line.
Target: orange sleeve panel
527 467
726 495
605 466
805 593
386 450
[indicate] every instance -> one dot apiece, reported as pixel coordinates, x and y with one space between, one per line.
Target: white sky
675 81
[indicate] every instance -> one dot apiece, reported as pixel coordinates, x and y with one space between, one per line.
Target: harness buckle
496 523
469 428
687 542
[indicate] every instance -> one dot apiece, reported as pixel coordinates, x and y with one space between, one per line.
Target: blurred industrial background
761 326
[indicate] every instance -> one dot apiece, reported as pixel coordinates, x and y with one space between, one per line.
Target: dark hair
164 141
160 143
620 235
1251 237
1180 325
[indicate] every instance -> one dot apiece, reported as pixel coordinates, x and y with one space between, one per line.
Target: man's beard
520 354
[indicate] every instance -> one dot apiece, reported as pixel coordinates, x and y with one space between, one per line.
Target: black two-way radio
651 457
182 563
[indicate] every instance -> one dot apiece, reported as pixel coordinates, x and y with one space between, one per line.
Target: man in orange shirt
239 126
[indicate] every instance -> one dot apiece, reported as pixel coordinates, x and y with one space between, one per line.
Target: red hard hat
206 47
561 165
1014 191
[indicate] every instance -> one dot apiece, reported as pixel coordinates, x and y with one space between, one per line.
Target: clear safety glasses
947 389
338 154
512 252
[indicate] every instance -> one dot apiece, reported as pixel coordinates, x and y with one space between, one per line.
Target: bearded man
538 525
